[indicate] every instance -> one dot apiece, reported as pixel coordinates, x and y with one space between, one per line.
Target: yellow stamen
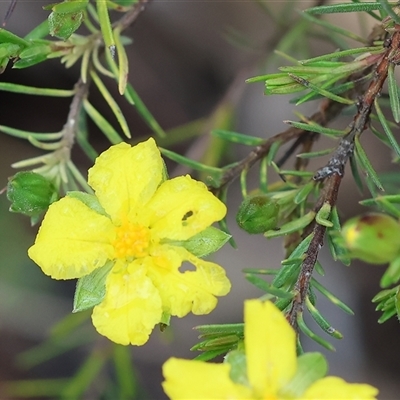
132 240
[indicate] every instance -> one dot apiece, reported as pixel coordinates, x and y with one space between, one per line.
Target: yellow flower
272 365
140 219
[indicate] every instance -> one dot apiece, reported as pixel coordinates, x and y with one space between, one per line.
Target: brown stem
329 195
130 16
332 173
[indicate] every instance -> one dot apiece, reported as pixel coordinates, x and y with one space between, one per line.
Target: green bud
372 237
258 214
63 25
30 193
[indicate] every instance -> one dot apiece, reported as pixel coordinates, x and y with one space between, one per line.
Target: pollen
132 241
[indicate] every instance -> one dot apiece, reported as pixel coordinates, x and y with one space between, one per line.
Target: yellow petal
190 380
131 307
125 178
182 292
183 207
332 387
270 348
73 240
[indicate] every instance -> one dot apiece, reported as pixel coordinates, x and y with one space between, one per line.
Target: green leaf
210 354
89 200
284 273
392 274
303 192
310 368
133 98
125 372
268 288
123 64
108 130
235 137
328 27
325 93
214 174
384 295
331 297
313 127
204 243
344 8
308 332
26 388
220 329
15 88
86 374
395 146
8 37
227 342
292 226
29 61
238 373
91 289
112 103
365 163
356 173
321 321
389 10
105 25
343 53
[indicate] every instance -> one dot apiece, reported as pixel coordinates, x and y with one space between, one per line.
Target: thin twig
332 173
131 16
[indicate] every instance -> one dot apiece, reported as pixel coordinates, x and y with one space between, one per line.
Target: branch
332 173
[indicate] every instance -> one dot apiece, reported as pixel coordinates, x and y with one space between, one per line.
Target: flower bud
258 214
372 237
30 193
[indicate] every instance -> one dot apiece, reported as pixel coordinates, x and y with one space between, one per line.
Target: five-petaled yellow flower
270 347
145 218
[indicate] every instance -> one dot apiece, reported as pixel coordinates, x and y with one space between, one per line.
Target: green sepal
91 289
310 368
238 373
30 193
89 200
69 6
63 25
258 213
9 50
204 243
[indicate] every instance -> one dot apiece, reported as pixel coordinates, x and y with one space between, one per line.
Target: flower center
132 240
